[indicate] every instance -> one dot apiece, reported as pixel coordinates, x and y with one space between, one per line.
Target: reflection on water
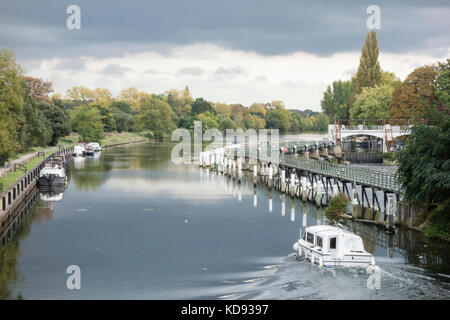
140 227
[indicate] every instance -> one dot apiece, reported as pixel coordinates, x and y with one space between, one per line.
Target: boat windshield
319 241
310 237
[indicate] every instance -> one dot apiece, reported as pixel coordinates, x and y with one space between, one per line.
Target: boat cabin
335 241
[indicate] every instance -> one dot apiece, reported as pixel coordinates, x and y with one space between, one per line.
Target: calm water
140 227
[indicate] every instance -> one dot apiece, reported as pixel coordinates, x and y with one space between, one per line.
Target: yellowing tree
415 96
81 94
223 109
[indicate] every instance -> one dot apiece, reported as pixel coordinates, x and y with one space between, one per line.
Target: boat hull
51 180
325 260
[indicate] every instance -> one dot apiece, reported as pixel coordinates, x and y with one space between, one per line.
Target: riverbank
34 155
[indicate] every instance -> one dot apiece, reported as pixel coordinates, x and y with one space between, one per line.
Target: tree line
424 99
33 116
376 94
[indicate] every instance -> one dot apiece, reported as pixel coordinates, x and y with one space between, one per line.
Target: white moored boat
79 151
330 246
96 146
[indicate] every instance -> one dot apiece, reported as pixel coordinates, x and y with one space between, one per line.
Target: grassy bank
12 176
123 137
68 141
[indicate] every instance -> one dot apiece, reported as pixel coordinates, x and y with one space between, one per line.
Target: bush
337 207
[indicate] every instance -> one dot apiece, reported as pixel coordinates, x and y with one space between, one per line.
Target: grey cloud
114 27
70 64
114 70
233 71
191 71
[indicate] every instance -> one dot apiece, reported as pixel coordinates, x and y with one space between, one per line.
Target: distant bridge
387 132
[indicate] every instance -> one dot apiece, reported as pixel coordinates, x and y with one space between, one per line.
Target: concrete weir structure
302 172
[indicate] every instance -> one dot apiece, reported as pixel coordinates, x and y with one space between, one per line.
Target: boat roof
327 230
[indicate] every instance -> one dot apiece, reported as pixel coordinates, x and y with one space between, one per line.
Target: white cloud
231 76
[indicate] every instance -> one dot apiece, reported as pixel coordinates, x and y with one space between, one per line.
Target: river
140 227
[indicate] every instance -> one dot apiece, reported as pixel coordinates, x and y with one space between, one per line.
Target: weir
373 196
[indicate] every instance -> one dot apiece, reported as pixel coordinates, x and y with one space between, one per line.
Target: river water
140 227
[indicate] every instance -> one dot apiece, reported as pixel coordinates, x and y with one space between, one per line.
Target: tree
442 87
39 90
227 123
278 119
200 105
36 129
123 115
80 94
336 99
337 207
223 109
415 96
320 122
106 116
373 103
157 116
252 121
58 118
209 120
87 121
12 92
258 109
278 104
369 71
424 171
131 96
178 100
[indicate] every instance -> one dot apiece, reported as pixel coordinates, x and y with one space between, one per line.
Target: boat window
319 242
333 243
310 237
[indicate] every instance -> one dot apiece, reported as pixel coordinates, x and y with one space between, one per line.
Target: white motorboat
89 150
96 146
79 151
330 246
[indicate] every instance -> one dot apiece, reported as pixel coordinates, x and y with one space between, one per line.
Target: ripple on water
293 279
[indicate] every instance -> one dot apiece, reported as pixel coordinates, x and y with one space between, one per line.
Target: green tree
337 207
226 123
58 118
320 122
369 71
200 105
336 99
87 121
209 120
12 92
36 129
373 103
424 171
157 116
278 119
253 121
107 117
442 87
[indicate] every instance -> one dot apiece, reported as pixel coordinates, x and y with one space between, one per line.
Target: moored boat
79 151
96 146
330 246
89 150
53 173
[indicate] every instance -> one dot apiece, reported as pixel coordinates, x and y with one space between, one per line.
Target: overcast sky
225 51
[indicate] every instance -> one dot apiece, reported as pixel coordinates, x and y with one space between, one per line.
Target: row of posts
293 186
